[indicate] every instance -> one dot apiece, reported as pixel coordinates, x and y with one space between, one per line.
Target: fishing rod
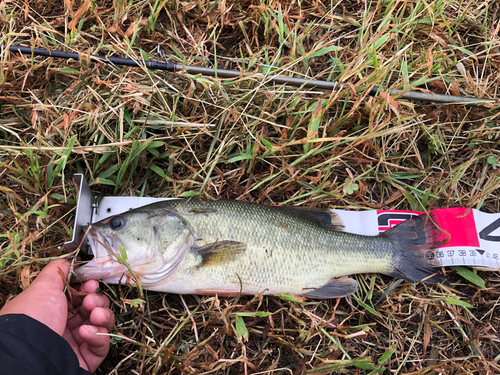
225 73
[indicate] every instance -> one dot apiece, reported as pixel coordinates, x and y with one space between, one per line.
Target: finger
102 317
82 312
88 304
87 287
73 338
51 277
97 340
75 320
92 301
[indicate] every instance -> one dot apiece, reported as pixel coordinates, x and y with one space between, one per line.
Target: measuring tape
474 235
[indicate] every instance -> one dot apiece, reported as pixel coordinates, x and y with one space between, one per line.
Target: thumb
53 275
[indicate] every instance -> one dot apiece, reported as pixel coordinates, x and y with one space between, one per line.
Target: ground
139 132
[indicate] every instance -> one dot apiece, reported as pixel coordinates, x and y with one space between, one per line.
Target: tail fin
413 258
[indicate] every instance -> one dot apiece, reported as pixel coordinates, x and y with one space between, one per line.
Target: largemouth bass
232 247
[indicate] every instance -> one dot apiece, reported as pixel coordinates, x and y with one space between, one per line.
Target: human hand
78 321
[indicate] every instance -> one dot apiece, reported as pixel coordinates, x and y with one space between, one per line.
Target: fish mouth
104 266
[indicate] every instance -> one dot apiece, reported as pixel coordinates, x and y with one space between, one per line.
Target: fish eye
115 223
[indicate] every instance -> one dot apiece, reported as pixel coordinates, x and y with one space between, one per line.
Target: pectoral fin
335 288
218 253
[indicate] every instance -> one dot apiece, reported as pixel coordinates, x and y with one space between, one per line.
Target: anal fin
218 253
335 288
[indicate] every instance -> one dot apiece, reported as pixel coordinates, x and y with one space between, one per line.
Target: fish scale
231 247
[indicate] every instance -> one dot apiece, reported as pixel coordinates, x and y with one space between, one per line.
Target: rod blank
224 73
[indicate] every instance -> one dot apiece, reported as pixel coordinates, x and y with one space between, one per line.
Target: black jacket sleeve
30 347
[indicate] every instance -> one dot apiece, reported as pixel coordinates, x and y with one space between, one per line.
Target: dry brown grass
136 132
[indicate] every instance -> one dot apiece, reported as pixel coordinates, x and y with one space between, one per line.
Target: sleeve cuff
30 347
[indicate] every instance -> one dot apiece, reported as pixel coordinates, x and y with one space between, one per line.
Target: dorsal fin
323 216
218 253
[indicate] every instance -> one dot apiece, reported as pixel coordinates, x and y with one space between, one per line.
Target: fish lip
93 240
104 264
103 245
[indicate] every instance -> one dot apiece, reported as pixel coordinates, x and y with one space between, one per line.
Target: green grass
149 133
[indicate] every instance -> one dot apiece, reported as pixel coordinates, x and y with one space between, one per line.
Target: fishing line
225 73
